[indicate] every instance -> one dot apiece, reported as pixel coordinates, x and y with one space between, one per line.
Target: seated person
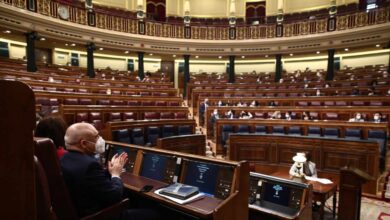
53 128
276 115
378 117
355 91
254 103
91 188
287 116
357 118
219 103
306 116
229 114
245 115
303 166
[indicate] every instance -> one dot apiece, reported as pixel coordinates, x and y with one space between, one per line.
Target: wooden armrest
111 212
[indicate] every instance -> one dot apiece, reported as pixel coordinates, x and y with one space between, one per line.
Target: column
186 73
278 67
90 66
330 70
231 69
141 73
30 51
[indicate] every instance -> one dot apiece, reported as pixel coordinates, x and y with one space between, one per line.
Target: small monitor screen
131 153
202 175
154 166
276 193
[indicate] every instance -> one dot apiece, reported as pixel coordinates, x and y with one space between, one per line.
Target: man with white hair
90 186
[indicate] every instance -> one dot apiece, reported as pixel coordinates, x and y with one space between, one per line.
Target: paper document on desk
320 180
179 201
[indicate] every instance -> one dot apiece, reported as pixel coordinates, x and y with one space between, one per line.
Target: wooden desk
321 192
203 208
231 181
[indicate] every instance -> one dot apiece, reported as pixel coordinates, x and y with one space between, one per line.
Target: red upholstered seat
331 116
85 101
329 103
260 115
42 101
103 102
148 103
50 88
341 103
96 119
161 103
128 116
301 103
358 103
166 115
114 116
315 103
180 115
82 90
151 115
71 101
68 90
314 115
173 103
144 93
118 102
133 103
376 103
82 117
131 93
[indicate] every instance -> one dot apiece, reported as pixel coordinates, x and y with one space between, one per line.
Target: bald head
79 136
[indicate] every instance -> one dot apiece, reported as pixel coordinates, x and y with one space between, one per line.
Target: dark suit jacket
90 187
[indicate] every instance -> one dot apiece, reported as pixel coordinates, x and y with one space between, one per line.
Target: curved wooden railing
126 22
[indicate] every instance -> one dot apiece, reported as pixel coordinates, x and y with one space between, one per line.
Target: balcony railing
127 23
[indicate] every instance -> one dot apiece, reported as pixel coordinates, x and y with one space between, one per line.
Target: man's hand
116 164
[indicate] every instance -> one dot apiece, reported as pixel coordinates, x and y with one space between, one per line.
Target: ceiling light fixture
7 31
318 52
346 49
126 52
42 39
196 57
266 55
150 54
219 57
174 55
101 48
291 54
243 57
73 45
378 45
66 44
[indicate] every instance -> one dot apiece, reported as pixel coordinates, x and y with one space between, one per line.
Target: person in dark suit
202 109
90 186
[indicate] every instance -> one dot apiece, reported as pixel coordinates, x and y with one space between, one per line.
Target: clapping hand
116 164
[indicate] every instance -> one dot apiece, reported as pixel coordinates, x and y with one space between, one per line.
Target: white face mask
100 146
358 116
376 117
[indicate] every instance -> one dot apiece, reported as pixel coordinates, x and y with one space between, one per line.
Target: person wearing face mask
90 188
377 117
357 118
288 116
